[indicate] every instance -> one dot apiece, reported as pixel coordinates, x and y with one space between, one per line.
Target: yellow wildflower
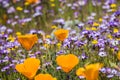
2 32
93 28
112 49
94 42
88 28
115 30
118 38
100 19
52 5
11 38
96 24
13 49
109 36
53 27
59 44
8 49
26 3
46 45
113 10
18 33
19 8
113 5
47 36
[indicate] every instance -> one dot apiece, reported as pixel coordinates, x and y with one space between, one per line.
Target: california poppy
32 1
90 72
118 55
27 41
61 34
44 77
29 67
65 62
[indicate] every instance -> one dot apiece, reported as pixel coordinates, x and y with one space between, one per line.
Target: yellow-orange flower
53 27
100 19
113 5
90 72
32 1
88 28
27 41
44 77
29 67
18 33
52 5
94 42
19 8
94 29
96 24
115 30
61 34
118 55
67 62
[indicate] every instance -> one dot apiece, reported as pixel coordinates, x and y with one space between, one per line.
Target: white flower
102 54
114 42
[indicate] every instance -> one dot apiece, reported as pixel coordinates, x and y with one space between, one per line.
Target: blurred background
24 15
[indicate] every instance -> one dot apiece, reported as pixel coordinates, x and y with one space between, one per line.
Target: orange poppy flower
90 72
29 67
61 34
65 62
44 77
32 1
27 41
118 55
